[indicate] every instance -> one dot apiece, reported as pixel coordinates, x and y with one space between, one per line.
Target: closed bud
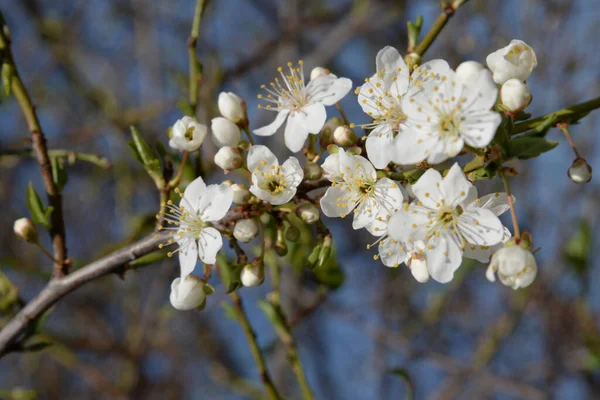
325 250
228 158
318 71
241 194
516 267
187 134
327 131
225 132
333 149
418 268
292 234
515 95
25 229
308 213
187 293
354 151
281 248
245 230
232 107
468 72
244 145
580 171
312 171
344 136
253 274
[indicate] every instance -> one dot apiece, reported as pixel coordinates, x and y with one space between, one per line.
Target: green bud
354 151
333 149
244 145
326 134
325 250
292 234
308 213
312 171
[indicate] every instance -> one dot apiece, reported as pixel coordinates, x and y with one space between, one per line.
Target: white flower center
449 125
289 93
387 108
273 181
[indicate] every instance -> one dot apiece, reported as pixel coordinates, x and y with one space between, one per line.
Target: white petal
430 72
388 196
392 63
427 189
368 97
495 202
443 259
215 202
332 202
409 224
260 157
357 165
193 192
209 244
331 166
365 213
378 227
485 91
188 256
455 186
292 172
391 252
478 128
282 197
481 227
411 146
328 89
379 143
445 149
309 119
270 129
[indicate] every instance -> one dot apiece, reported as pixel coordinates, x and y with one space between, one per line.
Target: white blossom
252 274
445 116
317 72
232 107
516 267
190 223
187 134
228 158
25 229
355 188
515 95
225 132
271 182
302 105
381 98
245 230
468 72
393 252
516 60
187 293
442 219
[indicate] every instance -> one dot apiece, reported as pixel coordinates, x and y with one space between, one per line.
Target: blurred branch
57 230
195 66
71 156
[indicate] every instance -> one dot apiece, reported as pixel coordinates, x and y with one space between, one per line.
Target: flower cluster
395 182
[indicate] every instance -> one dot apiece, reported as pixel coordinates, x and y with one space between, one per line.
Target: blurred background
95 67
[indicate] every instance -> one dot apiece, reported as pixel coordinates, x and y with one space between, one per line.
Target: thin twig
195 72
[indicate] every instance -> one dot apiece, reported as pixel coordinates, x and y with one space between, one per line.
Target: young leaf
529 147
230 275
59 172
39 214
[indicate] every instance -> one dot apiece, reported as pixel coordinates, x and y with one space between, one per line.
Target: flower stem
567 114
194 65
175 181
342 113
511 204
47 253
249 134
565 128
251 337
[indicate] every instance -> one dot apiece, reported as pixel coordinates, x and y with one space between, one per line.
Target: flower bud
280 247
187 134
253 274
187 293
228 158
515 95
516 60
580 171
25 229
312 171
318 71
225 132
418 268
344 136
232 107
468 72
308 213
516 266
325 250
326 133
245 230
241 194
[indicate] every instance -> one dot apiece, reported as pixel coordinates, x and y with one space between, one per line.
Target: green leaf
148 158
230 274
160 149
39 214
135 152
148 259
579 246
525 147
59 172
413 175
229 311
208 289
185 108
31 348
8 71
410 386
